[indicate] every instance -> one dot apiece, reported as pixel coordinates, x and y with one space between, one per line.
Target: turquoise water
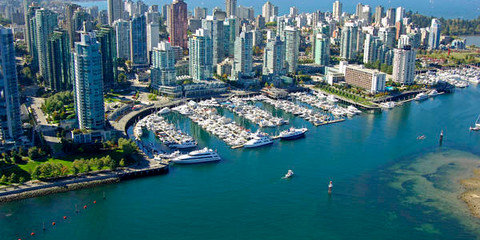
439 8
387 185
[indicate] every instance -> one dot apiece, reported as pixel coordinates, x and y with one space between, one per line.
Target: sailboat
477 125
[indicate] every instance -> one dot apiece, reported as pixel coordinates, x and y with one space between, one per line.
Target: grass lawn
67 161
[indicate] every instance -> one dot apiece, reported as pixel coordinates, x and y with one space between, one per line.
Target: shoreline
77 184
57 189
471 195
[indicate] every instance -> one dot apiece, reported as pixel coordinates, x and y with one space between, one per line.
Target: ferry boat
260 139
477 125
199 156
292 133
421 96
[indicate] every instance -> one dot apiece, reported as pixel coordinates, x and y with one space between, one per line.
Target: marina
326 103
224 128
253 113
458 77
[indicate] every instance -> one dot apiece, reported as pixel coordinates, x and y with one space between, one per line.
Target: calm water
440 8
387 185
472 40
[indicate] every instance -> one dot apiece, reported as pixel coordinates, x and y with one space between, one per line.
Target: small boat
421 137
477 125
289 174
292 133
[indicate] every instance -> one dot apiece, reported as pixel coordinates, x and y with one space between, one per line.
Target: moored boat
292 133
199 156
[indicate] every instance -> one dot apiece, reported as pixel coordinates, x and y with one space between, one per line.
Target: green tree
13 178
3 179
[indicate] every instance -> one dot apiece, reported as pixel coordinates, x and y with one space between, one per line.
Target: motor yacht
199 156
259 139
421 96
292 133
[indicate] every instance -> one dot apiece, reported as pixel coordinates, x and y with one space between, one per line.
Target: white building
404 65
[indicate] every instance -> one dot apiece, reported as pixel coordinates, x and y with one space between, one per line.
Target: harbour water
468 9
386 185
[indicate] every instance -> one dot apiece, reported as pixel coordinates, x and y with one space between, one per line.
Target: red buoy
64 217
32 233
94 202
85 206
53 223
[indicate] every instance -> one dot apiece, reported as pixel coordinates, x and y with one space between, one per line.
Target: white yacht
292 133
199 156
184 144
421 96
260 139
164 110
387 105
433 93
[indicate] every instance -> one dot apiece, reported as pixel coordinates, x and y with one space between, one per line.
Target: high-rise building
166 11
178 23
81 21
231 7
115 10
269 11
31 35
243 60
387 35
259 22
201 55
359 10
293 11
69 24
231 28
400 14
138 41
200 13
88 83
434 36
274 57
337 10
153 37
122 31
391 13
106 37
10 121
322 49
215 28
348 42
366 14
245 13
46 21
373 49
404 65
292 45
58 61
163 66
378 15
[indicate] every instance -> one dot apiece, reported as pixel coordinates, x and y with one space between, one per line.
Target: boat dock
330 122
